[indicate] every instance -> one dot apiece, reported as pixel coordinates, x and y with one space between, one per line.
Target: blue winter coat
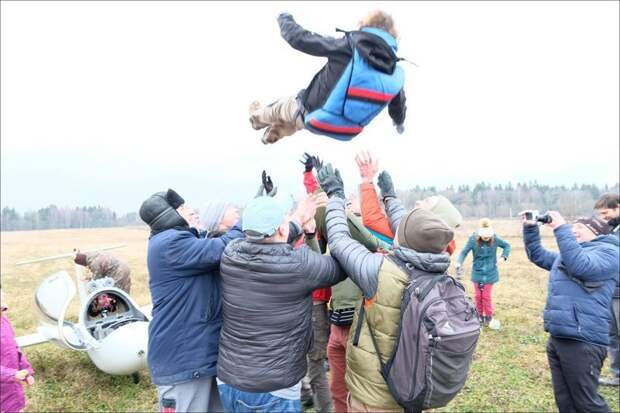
484 269
582 278
187 313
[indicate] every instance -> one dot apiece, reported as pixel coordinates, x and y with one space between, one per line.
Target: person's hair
608 200
380 20
479 240
484 223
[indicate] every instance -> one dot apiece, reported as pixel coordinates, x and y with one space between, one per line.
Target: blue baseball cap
263 215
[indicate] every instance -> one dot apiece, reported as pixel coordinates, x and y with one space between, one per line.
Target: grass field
509 372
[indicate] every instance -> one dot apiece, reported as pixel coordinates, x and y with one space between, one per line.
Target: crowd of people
248 305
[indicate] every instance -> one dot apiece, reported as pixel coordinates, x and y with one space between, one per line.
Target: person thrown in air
361 77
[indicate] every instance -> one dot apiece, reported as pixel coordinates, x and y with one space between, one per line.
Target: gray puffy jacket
363 266
267 309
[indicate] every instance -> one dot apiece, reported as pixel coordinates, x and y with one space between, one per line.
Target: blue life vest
359 95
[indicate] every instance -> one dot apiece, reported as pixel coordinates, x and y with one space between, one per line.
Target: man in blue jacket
582 278
184 282
361 77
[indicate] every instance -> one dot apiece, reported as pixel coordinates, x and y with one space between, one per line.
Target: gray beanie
212 215
423 231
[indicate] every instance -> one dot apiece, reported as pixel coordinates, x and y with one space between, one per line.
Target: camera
531 215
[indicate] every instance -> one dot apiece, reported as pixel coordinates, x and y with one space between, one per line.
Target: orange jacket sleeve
373 216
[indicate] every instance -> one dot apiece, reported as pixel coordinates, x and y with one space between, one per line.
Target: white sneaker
495 324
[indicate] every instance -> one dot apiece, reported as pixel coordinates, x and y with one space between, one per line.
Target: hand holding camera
532 217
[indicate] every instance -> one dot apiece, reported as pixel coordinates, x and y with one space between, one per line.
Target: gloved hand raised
317 163
307 161
331 182
266 187
270 189
386 186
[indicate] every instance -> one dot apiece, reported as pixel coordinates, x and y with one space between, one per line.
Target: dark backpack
435 343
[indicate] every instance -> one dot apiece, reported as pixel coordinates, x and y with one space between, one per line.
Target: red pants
337 355
484 302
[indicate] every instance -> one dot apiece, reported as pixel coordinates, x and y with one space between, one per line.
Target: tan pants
281 118
355 406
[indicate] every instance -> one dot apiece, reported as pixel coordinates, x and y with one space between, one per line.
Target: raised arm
394 208
306 41
320 270
534 249
201 253
361 265
593 264
373 216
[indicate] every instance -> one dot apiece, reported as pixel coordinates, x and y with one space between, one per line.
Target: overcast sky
108 102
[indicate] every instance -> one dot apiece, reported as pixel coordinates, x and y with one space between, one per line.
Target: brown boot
256 124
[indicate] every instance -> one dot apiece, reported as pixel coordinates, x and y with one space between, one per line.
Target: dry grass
509 372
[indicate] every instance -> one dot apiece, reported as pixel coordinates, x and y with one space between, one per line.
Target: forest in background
480 200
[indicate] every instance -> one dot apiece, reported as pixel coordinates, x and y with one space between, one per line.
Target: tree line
506 201
480 200
53 217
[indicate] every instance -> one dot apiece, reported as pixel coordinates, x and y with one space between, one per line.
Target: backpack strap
358 327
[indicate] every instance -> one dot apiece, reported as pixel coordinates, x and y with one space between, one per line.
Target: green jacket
485 258
346 294
363 374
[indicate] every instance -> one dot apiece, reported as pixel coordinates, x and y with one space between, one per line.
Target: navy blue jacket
582 278
185 283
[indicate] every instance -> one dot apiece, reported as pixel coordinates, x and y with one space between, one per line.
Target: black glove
385 184
317 163
331 182
307 160
270 189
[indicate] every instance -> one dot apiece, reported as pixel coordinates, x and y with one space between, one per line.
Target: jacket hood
425 261
377 47
157 213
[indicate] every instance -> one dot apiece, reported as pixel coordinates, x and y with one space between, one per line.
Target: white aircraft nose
123 351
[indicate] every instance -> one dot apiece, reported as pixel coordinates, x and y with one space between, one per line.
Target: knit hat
212 214
445 210
423 231
596 225
485 230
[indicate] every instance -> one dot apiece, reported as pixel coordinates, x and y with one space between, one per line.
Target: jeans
575 370
238 401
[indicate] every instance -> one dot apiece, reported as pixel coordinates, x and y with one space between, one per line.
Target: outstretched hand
270 189
331 182
306 207
386 185
306 160
368 166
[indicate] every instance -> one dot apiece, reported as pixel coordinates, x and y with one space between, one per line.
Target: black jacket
339 53
267 307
